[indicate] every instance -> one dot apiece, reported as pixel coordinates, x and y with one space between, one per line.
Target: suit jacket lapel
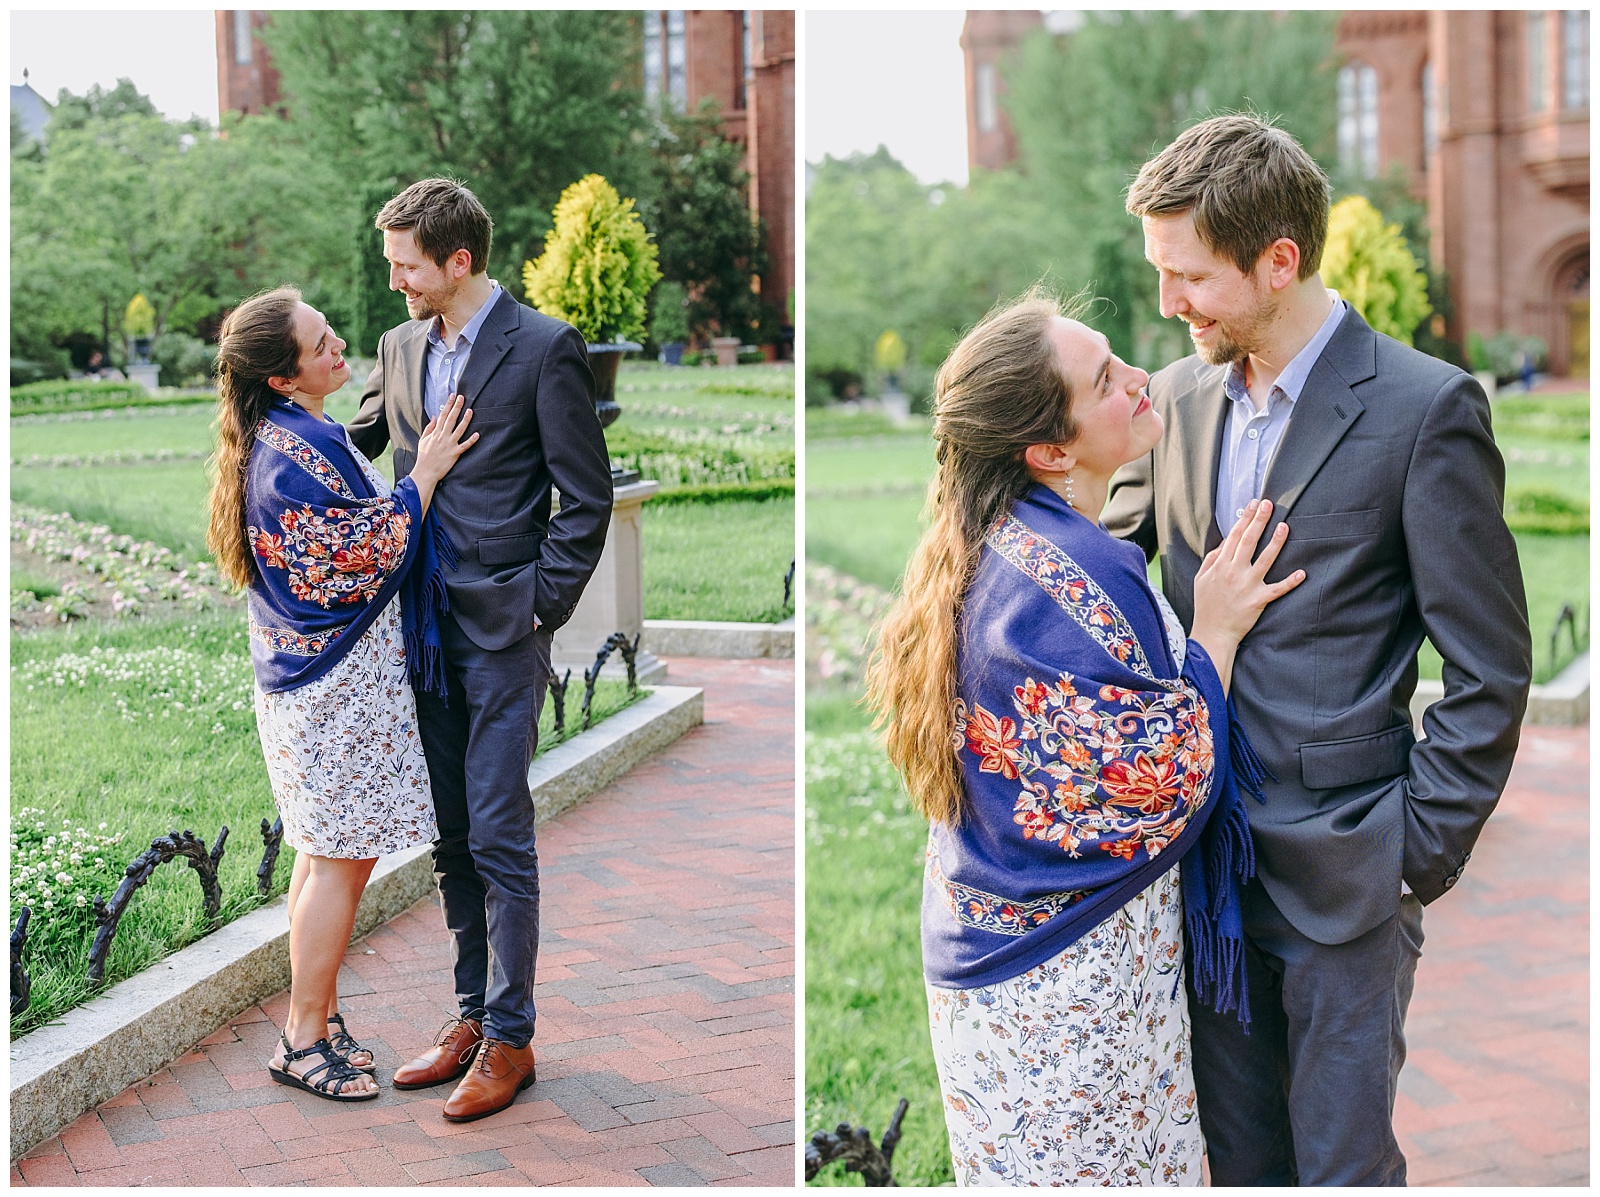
1326 410
1201 417
413 379
492 345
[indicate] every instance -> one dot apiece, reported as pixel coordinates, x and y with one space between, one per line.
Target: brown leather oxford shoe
498 1074
448 1058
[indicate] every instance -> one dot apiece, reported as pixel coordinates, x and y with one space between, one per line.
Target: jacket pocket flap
505 550
1335 525
1333 763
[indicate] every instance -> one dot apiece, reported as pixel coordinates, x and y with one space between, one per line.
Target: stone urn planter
604 362
727 350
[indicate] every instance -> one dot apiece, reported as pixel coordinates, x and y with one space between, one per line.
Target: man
531 397
1381 461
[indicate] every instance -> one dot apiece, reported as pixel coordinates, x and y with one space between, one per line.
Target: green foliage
1368 262
697 202
669 320
724 492
515 103
598 264
74 395
1547 512
185 361
1501 354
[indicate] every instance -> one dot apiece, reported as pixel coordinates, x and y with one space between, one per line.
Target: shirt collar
469 331
1292 379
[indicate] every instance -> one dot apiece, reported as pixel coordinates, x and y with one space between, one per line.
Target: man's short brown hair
444 216
1247 182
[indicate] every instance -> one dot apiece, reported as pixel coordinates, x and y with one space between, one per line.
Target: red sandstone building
744 60
1488 115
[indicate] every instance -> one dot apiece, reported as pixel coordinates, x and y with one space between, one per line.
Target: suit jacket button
1451 880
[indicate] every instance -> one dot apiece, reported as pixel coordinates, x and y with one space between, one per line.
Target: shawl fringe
424 603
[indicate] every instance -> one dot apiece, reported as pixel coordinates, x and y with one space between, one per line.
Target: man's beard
1230 345
434 305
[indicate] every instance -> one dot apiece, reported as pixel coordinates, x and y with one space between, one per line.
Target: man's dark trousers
479 746
1303 1098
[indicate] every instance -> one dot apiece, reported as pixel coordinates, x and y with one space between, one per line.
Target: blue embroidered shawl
331 552
1089 760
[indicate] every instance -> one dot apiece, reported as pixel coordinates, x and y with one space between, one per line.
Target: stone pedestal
145 374
614 599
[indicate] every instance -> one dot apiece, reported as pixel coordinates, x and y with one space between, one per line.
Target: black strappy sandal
327 1079
344 1043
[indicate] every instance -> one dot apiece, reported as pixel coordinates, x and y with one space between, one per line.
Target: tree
1370 265
517 104
698 205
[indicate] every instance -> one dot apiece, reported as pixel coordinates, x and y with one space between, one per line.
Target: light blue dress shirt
445 366
1251 438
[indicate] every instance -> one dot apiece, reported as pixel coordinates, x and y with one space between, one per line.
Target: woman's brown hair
258 342
1000 390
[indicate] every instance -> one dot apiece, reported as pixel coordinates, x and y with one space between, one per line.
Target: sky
890 78
170 56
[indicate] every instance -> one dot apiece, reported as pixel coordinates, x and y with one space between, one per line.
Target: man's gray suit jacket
531 393
1392 487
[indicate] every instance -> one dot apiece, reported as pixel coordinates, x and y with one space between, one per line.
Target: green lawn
721 560
866 1008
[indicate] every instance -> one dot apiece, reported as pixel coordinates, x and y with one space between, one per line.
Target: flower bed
841 615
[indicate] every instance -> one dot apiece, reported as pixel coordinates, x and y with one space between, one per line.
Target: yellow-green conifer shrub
139 318
598 264
1370 265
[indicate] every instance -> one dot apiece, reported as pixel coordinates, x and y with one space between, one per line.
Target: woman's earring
1071 499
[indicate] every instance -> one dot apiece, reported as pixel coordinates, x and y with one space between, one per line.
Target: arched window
1575 59
1358 120
1538 67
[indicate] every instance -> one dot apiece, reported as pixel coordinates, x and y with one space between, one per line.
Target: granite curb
1563 701
137 1026
717 638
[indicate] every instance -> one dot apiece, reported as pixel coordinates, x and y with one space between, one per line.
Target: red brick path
665 1038
1495 1090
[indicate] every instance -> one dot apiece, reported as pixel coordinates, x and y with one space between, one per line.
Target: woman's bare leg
323 914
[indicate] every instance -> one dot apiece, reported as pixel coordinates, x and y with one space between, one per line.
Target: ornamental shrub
598 264
1370 265
139 320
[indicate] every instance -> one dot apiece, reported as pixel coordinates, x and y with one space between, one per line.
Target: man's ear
1049 459
460 264
1282 260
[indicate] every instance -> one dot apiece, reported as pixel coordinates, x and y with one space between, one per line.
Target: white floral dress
1078 1071
343 752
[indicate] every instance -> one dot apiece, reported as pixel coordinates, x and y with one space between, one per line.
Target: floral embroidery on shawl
308 458
1079 595
281 640
341 555
1119 771
993 913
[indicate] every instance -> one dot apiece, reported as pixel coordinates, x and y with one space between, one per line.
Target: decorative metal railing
853 1147
207 862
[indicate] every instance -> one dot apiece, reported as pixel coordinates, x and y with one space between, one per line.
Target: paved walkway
666 1031
1495 1090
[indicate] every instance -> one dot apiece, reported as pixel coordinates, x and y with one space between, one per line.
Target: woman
344 590
1057 729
